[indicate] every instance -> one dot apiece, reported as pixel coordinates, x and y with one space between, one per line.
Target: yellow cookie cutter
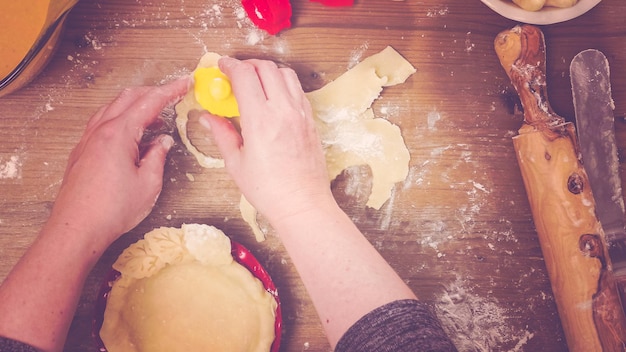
214 93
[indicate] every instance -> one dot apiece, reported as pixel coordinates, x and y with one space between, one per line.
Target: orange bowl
42 49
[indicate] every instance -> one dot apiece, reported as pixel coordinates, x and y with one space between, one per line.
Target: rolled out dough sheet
351 135
350 132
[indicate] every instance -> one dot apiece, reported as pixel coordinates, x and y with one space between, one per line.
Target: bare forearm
344 274
279 165
39 297
107 189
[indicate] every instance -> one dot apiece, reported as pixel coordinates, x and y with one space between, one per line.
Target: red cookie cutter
269 15
275 15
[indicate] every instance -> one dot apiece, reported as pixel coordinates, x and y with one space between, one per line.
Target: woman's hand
277 161
108 186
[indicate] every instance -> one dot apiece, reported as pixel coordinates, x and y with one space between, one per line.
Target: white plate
547 15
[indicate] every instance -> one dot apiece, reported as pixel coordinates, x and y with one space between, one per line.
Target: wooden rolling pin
562 205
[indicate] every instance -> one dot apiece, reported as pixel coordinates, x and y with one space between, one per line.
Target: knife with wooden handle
593 105
561 202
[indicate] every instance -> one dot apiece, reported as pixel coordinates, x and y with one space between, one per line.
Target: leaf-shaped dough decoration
167 244
136 262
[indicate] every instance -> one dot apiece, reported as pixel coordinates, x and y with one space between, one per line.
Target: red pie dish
240 254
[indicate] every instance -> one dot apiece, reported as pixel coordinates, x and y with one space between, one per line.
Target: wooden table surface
458 230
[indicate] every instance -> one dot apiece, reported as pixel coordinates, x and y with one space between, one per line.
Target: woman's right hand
277 161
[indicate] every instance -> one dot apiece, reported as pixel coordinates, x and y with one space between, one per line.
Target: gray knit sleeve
400 326
8 345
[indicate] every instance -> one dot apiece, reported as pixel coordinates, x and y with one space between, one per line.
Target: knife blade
593 106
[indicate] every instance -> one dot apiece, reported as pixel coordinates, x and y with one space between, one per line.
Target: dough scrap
181 290
188 105
350 133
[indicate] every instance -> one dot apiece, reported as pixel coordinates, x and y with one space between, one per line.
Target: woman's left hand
109 184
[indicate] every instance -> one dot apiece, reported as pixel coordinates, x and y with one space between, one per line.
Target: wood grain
459 230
